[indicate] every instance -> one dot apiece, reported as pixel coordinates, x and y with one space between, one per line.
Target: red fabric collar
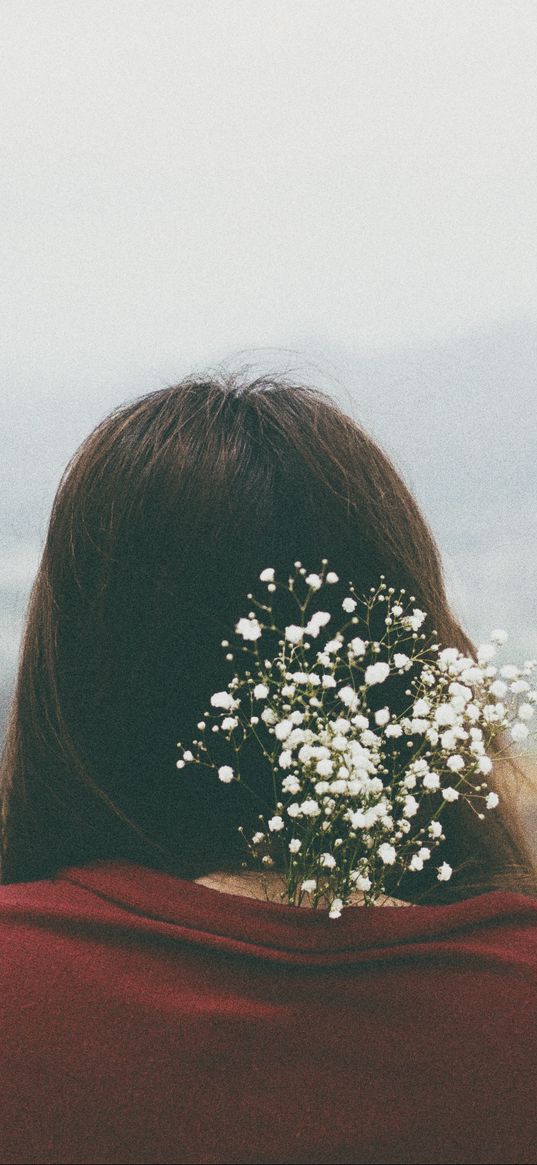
151 899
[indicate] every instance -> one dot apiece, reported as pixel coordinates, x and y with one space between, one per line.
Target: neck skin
249 885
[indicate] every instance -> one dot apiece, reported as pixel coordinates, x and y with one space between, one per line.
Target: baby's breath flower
431 781
309 885
305 753
333 645
411 806
456 763
310 807
415 620
376 673
229 722
294 633
352 787
248 628
461 690
223 700
296 736
519 731
471 675
447 656
387 853
435 829
348 696
318 619
445 714
358 646
291 784
282 729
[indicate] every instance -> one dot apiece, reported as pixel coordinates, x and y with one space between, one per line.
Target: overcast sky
181 179
356 181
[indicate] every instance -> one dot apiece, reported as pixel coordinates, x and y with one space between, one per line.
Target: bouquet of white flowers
344 797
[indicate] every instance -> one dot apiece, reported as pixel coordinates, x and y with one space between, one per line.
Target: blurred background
346 192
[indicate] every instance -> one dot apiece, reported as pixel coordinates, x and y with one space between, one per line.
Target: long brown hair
162 521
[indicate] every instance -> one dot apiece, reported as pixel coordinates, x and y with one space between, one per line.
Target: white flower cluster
349 792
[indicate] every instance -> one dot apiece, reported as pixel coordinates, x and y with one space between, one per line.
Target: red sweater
147 1018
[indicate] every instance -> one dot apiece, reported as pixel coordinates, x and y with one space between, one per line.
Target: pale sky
183 179
353 181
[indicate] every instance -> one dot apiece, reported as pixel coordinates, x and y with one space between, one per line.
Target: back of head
162 522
